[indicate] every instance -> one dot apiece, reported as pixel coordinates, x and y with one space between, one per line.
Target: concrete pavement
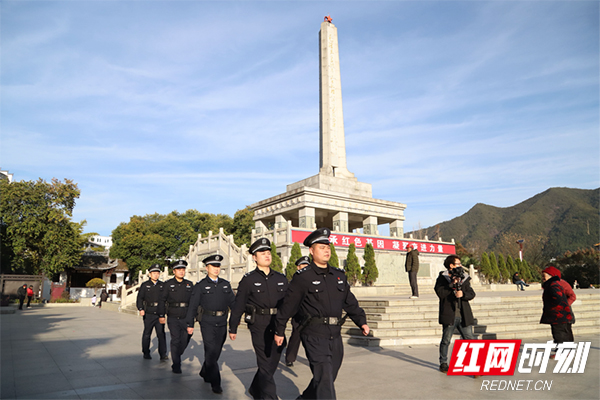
74 352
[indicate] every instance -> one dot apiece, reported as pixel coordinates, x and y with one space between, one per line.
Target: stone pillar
306 218
340 222
280 222
397 228
260 228
331 127
370 226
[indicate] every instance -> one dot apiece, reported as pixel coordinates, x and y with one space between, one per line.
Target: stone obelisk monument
331 121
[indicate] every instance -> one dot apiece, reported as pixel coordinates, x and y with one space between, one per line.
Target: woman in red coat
557 312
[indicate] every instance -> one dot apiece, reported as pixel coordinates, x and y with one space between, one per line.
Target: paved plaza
76 352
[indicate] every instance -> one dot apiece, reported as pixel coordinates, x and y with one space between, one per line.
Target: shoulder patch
301 270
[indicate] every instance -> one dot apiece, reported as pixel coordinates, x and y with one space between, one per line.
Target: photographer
453 287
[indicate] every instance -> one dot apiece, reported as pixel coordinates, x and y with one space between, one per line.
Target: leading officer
260 293
176 299
147 304
319 293
212 298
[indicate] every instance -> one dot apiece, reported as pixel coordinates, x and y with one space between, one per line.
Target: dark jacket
319 292
103 296
22 292
175 298
412 261
211 297
557 309
260 291
449 302
149 298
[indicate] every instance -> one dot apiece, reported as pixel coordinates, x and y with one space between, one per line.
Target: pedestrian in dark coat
260 293
453 288
211 300
412 267
320 292
21 293
557 310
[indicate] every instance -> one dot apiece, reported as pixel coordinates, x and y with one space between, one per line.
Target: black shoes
444 368
217 389
147 356
289 364
176 369
164 358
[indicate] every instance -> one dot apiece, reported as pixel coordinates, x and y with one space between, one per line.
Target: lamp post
520 242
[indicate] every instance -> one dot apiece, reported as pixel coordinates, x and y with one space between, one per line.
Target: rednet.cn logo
499 357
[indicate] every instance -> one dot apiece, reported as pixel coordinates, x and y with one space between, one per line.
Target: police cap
215 260
302 260
154 268
321 235
261 244
180 264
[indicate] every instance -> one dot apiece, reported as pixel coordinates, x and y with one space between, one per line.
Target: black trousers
325 357
21 300
267 360
412 278
213 338
562 333
293 344
179 338
29 300
151 323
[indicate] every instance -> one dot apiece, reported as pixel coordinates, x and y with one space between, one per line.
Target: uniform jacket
261 291
412 261
319 292
211 296
175 292
557 309
150 293
449 302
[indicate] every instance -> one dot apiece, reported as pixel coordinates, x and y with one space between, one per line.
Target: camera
459 273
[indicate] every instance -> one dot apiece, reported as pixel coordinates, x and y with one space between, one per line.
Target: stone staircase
405 322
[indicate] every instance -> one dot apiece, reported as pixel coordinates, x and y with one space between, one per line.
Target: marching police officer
147 304
319 293
291 352
211 300
176 298
260 293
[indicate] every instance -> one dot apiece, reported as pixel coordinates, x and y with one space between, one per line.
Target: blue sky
155 106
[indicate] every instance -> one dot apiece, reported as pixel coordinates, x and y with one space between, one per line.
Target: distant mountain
554 221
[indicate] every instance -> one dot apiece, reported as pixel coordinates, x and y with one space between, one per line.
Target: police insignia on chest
257 284
316 282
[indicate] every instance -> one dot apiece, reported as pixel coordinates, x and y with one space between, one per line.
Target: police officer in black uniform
291 352
212 298
176 299
147 304
319 293
260 293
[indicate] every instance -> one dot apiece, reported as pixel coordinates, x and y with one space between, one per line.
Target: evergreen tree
511 266
334 261
290 268
370 273
506 275
276 263
526 274
486 267
353 273
494 267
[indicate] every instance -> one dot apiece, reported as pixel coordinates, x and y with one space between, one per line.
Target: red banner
345 240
